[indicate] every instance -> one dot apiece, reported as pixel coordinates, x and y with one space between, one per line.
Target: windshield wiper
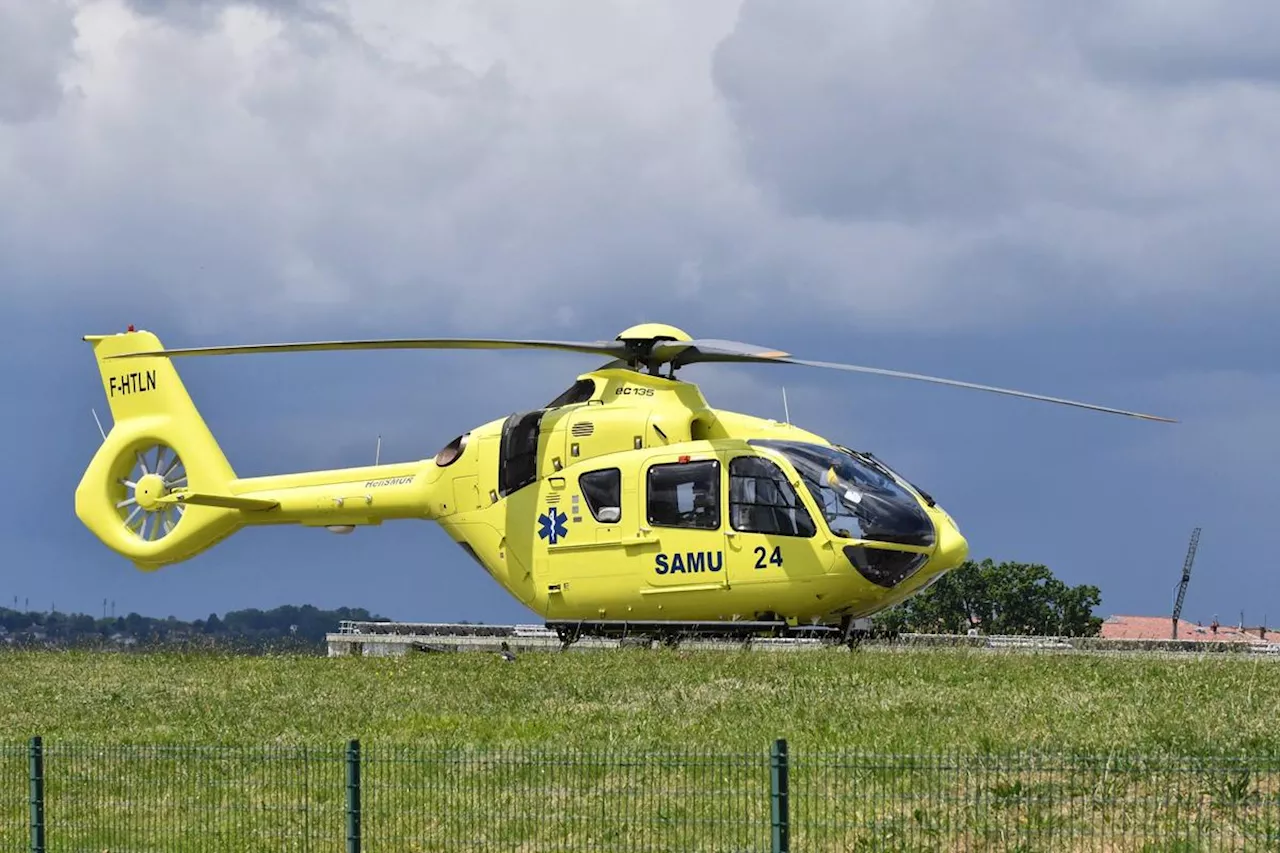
871 460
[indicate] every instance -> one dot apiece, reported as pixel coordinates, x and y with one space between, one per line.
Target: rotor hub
158 471
150 489
640 341
653 332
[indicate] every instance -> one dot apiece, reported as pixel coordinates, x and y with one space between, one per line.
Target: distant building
1161 628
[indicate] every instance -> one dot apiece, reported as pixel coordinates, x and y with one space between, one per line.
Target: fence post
35 777
779 798
353 796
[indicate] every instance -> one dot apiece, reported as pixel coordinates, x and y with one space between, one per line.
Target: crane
1186 576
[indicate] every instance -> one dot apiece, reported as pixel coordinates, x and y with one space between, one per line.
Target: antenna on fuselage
786 410
377 451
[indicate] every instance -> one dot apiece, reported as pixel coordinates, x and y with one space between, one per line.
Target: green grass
898 701
570 726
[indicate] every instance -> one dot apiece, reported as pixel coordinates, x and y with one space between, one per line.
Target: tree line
998 598
293 626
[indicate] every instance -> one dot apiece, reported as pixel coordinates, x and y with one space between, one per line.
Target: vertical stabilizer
158 443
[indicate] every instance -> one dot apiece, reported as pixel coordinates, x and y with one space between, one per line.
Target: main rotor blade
692 352
616 349
680 353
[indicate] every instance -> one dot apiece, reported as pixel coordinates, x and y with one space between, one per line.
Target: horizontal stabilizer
224 501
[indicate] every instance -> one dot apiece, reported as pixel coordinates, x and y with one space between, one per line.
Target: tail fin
158 443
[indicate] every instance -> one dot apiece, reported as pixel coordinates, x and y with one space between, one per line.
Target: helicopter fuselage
631 498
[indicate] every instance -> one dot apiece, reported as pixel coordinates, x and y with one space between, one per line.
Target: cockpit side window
762 501
602 491
578 392
858 499
685 494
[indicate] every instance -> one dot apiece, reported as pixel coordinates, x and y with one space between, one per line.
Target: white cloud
475 171
35 45
523 168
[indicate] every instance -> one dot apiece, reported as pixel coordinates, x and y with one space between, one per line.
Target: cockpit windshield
858 496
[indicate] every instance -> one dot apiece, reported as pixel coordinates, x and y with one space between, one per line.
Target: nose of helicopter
952 548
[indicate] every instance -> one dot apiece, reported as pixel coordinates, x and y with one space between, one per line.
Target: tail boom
364 495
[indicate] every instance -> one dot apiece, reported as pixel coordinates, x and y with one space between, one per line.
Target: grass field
570 728
898 701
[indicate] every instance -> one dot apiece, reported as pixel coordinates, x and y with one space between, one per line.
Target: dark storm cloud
1034 157
970 113
1195 43
883 111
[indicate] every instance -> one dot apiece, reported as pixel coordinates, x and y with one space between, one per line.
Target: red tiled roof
1161 628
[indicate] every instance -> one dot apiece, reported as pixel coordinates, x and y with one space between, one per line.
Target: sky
1077 199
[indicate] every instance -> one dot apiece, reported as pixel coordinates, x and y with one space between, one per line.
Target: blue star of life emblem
551 525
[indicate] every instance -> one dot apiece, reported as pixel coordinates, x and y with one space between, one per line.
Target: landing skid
850 632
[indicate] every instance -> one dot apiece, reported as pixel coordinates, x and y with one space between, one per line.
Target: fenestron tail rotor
156 472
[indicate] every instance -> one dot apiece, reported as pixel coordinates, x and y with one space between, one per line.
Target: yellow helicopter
627 499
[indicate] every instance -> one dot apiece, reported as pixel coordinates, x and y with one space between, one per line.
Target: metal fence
352 797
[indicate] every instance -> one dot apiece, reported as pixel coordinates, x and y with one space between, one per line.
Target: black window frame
586 499
452 451
518 451
694 465
780 475
580 391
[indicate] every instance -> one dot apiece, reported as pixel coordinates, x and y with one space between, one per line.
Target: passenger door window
602 492
772 535
684 494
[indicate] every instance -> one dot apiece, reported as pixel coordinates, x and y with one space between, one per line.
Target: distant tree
289 626
998 598
82 623
136 625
